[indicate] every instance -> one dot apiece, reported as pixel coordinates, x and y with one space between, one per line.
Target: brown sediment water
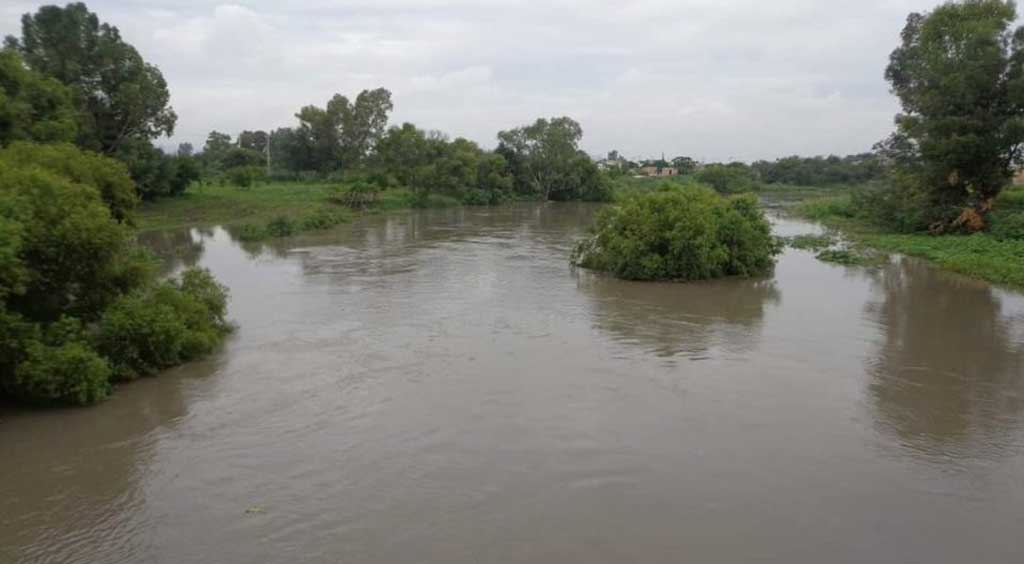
440 386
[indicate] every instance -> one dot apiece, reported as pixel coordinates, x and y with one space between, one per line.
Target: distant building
651 170
609 164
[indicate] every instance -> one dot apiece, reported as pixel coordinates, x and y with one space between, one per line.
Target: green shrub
1005 225
688 233
164 326
71 374
323 218
810 242
244 176
281 226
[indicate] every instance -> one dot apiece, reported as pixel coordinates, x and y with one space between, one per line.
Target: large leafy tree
546 161
119 97
341 134
32 107
959 75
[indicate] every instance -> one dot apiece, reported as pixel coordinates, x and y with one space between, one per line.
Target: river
440 386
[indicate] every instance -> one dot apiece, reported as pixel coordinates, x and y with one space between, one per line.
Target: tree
544 156
290 150
33 107
959 75
253 140
118 95
217 146
79 300
685 165
185 149
342 134
362 122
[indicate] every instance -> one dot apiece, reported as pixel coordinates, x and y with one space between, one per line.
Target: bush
688 233
323 218
164 326
281 226
244 176
1006 225
71 374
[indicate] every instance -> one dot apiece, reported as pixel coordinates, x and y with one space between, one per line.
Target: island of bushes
680 233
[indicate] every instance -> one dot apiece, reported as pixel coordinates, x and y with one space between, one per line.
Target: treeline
351 142
821 171
81 304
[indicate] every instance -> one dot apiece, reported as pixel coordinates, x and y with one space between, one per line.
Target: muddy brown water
440 386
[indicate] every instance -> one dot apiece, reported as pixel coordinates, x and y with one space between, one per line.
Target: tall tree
342 134
253 140
959 75
118 95
544 155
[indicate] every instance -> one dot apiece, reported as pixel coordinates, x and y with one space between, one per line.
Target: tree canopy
959 76
33 107
118 95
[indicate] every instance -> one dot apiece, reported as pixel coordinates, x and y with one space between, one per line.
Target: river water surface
441 386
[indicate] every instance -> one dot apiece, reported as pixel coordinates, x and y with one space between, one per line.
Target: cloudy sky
713 79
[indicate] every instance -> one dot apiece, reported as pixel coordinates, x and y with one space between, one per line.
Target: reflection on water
948 376
178 248
440 386
689 319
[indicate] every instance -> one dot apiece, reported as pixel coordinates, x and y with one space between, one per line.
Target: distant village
649 168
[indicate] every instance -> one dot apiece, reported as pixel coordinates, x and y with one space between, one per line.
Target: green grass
261 204
982 255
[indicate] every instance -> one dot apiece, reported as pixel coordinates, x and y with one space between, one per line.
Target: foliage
66 263
110 177
341 134
68 373
545 161
33 107
1007 225
810 242
688 233
734 178
157 174
432 166
821 171
119 96
849 256
164 325
979 255
959 75
322 218
244 176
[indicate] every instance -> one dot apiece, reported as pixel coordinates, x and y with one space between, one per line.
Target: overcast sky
713 79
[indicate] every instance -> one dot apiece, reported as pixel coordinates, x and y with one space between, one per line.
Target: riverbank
982 255
262 204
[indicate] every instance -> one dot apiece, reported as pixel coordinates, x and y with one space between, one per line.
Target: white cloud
716 79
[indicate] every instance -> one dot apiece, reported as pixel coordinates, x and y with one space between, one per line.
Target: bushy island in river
680 233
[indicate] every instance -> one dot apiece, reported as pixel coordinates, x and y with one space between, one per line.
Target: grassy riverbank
999 260
262 204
